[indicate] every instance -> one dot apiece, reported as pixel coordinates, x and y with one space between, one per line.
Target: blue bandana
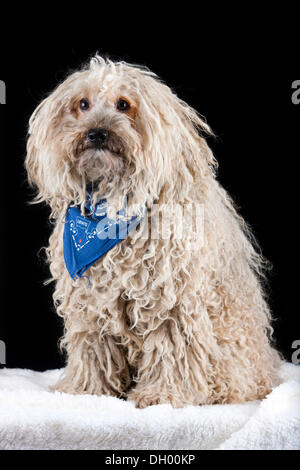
87 238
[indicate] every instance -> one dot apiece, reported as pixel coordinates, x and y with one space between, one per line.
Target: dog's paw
63 388
66 387
149 397
65 384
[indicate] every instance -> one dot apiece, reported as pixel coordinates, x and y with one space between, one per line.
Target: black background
243 90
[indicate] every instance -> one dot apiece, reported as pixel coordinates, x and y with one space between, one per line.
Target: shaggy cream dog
160 321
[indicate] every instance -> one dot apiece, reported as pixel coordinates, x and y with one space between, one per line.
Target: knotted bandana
87 238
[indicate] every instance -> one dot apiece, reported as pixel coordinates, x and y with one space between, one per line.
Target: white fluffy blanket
33 418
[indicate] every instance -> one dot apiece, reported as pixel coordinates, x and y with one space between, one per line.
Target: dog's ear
181 130
44 143
193 133
36 143
42 159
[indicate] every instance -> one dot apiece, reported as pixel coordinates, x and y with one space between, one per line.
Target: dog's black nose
98 135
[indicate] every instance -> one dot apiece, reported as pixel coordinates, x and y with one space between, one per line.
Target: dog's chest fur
132 289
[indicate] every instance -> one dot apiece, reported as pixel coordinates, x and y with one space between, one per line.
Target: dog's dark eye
84 104
122 105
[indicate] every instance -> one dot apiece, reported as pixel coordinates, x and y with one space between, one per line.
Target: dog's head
119 129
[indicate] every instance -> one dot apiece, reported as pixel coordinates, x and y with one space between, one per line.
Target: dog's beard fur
102 167
101 162
106 171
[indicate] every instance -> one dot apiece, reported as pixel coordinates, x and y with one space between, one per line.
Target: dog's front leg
96 365
165 370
